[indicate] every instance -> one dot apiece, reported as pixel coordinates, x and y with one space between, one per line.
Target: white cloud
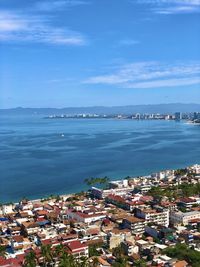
181 2
52 5
172 6
177 10
165 83
150 75
16 27
10 22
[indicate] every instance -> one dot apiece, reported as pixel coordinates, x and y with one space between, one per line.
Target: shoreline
67 195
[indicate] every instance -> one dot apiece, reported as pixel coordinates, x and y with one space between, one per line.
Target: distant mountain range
160 108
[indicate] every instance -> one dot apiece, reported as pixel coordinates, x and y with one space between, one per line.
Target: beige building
136 225
116 237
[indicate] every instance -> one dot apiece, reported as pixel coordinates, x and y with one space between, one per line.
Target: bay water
39 156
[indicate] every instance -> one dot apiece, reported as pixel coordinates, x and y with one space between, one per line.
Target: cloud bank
167 7
150 75
17 27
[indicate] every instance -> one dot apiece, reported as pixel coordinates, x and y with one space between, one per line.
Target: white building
100 193
183 217
195 168
154 216
119 184
85 217
6 209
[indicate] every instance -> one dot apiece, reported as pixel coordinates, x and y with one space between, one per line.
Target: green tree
121 261
140 263
83 262
183 252
121 258
156 192
93 251
118 251
2 251
58 251
68 260
197 189
30 259
46 252
64 260
93 181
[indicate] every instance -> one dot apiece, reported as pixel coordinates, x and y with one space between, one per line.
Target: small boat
62 135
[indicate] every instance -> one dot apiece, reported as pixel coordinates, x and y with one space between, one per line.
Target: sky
64 53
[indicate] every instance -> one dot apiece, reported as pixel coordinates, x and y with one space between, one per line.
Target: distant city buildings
196 116
177 116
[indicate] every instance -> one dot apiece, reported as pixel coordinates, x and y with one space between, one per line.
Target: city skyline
89 53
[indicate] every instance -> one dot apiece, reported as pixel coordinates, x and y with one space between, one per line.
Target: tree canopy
93 181
183 252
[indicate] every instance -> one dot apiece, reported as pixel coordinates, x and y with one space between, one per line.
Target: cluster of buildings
195 116
125 215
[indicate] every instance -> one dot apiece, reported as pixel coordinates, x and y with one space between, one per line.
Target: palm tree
59 250
89 181
30 259
67 260
63 260
47 254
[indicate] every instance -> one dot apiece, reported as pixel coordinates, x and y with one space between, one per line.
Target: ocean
39 157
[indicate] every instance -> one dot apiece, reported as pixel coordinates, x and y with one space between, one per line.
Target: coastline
67 195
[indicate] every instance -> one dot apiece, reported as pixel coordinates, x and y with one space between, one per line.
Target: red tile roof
116 198
187 200
10 262
42 212
18 238
76 246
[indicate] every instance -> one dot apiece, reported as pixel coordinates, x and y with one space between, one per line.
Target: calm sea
39 157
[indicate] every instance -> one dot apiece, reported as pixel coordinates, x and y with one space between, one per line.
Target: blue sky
61 53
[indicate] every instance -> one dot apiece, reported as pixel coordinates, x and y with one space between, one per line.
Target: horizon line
100 106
